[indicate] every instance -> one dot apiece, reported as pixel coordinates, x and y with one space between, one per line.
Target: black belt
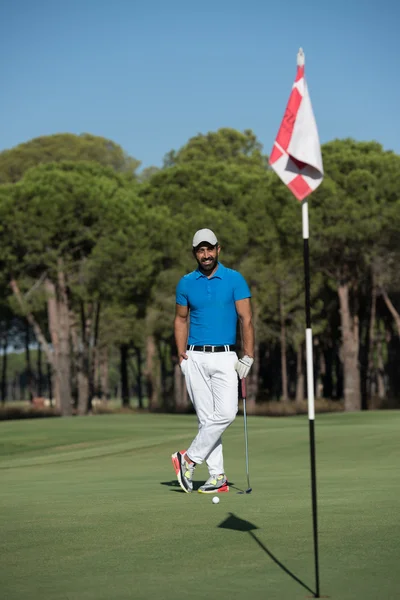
226 348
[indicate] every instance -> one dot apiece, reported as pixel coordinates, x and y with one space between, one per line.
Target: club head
248 491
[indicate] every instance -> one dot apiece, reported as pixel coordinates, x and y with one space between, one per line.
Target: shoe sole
223 488
177 469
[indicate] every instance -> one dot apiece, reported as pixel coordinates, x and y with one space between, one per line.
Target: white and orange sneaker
184 471
215 483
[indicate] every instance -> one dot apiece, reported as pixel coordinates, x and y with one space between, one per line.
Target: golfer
209 302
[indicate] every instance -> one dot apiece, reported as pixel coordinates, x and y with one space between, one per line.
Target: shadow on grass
238 524
196 484
174 485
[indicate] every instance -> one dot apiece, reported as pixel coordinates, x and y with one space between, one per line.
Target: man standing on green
209 302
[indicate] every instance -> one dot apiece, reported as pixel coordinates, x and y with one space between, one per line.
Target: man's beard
209 267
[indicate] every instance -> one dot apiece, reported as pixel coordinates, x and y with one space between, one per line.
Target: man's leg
220 370
217 482
198 385
215 460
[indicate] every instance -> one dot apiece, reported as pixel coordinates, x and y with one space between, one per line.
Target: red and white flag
296 155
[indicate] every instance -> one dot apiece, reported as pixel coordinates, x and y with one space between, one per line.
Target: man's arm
243 308
181 330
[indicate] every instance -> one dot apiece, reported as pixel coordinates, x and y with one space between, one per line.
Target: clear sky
151 74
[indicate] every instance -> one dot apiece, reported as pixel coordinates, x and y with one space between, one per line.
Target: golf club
243 385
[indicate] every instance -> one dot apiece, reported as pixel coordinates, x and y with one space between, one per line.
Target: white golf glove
243 366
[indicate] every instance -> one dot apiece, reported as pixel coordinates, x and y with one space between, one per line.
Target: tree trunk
380 368
82 382
75 356
252 381
83 376
252 384
58 358
321 372
350 349
339 374
18 391
93 356
39 381
124 350
300 375
4 367
104 378
161 352
50 378
285 395
151 374
371 340
139 377
50 356
392 310
29 371
52 314
59 332
179 385
327 377
64 345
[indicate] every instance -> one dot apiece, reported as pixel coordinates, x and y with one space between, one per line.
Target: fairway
90 510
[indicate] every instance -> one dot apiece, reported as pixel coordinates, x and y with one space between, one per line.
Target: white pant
212 385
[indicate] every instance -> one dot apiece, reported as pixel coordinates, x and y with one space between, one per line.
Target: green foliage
351 211
125 240
89 216
64 146
224 145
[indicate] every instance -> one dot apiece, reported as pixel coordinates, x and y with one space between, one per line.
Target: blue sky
150 75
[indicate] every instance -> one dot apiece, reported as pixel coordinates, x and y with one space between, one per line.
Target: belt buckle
208 346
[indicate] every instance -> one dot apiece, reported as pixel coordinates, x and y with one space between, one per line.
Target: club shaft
246 442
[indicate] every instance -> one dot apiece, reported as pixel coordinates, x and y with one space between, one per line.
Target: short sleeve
181 293
240 289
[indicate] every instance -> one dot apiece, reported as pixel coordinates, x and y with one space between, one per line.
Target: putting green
90 510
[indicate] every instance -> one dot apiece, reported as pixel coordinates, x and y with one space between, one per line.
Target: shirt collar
219 273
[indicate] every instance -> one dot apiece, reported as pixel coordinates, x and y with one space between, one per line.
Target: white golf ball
215 500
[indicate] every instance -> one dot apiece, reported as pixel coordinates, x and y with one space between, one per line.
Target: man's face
207 257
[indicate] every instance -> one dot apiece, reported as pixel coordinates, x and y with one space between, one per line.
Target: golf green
90 510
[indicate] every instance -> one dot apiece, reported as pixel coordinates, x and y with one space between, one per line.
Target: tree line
91 251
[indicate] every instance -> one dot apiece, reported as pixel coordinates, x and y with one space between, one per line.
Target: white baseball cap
204 235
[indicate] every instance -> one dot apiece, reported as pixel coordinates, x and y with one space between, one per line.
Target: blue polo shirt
211 301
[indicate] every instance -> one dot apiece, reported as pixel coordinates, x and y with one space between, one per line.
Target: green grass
89 510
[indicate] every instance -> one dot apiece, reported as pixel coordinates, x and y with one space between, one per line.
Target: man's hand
183 356
243 366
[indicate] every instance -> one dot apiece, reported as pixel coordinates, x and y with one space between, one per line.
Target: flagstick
310 389
297 160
